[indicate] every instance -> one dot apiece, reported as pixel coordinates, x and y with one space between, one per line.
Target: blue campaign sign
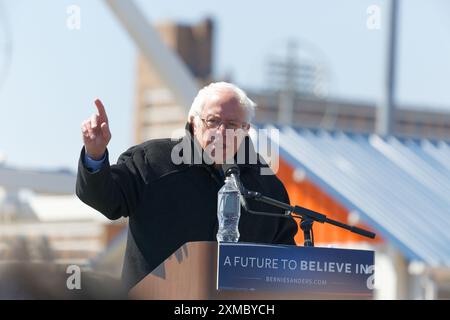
257 267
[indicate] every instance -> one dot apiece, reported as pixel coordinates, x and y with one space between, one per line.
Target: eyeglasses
215 123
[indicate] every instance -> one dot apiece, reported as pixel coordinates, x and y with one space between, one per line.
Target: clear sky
56 73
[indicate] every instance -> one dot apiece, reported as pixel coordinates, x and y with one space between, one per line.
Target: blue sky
56 73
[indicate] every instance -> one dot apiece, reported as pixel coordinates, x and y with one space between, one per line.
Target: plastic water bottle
228 212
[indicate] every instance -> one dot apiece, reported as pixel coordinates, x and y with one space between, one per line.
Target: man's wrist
93 164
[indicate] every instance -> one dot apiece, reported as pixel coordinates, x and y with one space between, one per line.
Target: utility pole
386 110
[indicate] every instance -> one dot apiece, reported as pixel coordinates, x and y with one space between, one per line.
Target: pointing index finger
101 109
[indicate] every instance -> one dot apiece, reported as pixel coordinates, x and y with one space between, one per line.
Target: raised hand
96 133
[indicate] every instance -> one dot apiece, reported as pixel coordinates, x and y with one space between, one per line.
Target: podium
191 273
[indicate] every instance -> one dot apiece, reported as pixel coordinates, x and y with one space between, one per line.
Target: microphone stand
306 216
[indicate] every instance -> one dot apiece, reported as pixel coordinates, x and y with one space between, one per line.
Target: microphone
232 170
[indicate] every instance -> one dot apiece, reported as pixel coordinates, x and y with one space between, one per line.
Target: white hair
200 100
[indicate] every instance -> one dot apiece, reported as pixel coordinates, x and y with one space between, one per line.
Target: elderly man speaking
171 202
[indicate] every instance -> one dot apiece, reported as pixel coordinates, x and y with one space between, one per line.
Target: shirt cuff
92 164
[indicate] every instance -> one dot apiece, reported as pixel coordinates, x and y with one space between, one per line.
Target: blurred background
359 91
